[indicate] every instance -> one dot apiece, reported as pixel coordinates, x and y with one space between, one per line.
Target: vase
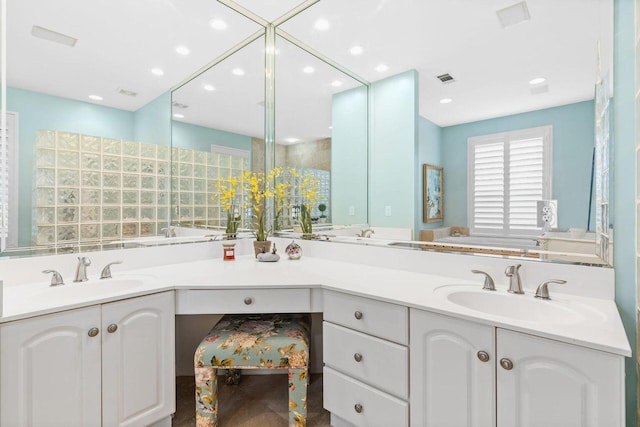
231 236
261 247
308 236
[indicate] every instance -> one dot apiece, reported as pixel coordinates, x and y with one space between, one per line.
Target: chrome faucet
367 232
169 231
543 291
515 284
106 271
81 270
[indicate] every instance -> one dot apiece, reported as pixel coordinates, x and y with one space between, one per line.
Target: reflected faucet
367 232
515 284
81 270
169 232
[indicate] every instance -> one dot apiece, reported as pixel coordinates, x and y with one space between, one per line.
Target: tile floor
259 401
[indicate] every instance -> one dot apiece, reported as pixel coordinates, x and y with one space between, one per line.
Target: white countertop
602 330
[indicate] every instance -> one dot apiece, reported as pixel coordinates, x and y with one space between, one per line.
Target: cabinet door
51 370
450 385
552 384
138 372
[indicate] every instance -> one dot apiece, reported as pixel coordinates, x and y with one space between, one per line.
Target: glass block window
90 189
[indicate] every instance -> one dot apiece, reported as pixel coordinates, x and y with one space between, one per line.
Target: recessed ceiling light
321 25
356 50
53 36
209 87
537 81
308 69
95 97
183 50
513 14
292 140
446 100
381 68
178 116
157 71
217 24
238 71
336 83
331 127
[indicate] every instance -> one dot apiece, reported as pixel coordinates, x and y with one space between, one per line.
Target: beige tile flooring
258 401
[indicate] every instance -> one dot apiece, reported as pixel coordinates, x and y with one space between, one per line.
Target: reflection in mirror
321 132
217 122
491 68
91 121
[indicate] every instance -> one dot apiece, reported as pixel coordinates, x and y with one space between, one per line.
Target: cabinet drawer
374 361
213 301
382 319
342 394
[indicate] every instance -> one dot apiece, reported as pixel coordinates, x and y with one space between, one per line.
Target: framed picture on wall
432 194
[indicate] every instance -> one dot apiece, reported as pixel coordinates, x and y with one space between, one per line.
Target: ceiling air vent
445 78
178 105
126 92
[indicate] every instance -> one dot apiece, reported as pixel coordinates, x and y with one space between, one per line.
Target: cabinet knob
506 364
358 408
112 328
357 357
358 315
483 356
248 300
93 332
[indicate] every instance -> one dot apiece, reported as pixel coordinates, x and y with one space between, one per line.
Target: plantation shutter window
508 173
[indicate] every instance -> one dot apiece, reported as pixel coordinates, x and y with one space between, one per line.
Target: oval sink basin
519 307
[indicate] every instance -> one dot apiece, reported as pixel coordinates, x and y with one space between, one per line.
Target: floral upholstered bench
247 341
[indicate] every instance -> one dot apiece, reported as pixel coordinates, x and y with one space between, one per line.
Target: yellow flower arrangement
258 189
309 190
226 190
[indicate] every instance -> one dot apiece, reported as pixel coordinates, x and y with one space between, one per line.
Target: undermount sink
518 307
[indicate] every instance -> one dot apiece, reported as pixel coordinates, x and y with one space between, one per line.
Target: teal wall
349 158
196 137
429 152
624 216
573 139
152 122
393 150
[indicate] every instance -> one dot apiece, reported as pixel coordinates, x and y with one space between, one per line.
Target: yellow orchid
260 188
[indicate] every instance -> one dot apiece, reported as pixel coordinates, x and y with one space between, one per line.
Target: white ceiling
120 41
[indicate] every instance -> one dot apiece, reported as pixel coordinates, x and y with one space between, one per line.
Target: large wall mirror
113 153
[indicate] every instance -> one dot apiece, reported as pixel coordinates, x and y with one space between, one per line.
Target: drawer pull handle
357 357
358 315
248 300
112 328
358 408
93 332
483 356
506 364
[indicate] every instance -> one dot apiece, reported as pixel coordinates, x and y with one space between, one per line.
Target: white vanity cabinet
366 361
108 365
463 373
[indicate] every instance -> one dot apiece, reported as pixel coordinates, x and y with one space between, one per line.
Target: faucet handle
56 279
543 290
488 281
512 269
106 271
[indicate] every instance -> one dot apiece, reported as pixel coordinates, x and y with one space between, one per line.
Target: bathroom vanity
409 338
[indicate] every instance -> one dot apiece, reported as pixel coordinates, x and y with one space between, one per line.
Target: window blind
508 174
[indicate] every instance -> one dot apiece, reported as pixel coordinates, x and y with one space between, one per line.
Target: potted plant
226 189
322 208
258 189
309 186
